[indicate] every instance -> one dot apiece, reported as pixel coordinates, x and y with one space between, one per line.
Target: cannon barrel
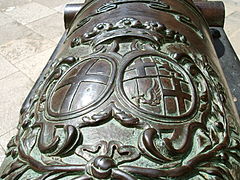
134 90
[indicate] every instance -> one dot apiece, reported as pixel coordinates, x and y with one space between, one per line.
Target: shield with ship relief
82 87
157 86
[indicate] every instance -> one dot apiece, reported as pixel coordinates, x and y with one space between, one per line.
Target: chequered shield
158 86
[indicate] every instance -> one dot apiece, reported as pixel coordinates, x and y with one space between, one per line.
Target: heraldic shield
134 92
82 86
157 85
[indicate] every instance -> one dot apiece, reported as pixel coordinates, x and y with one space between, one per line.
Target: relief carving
130 109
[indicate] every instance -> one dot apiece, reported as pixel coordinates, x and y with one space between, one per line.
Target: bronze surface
135 92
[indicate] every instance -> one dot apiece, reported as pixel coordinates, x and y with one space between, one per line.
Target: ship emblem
82 87
158 86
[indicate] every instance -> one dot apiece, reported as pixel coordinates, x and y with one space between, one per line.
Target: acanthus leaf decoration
131 105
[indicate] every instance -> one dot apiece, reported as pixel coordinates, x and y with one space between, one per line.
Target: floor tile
13 31
2 154
229 9
235 42
6 68
232 2
51 4
232 24
30 12
51 27
76 1
61 7
56 3
14 89
16 50
33 66
6 5
57 39
4 139
5 19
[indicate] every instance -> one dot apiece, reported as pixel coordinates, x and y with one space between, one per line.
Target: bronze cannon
133 91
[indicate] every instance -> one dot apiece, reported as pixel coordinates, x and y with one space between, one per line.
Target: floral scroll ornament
104 158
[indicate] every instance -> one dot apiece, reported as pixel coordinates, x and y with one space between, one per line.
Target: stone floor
29 32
